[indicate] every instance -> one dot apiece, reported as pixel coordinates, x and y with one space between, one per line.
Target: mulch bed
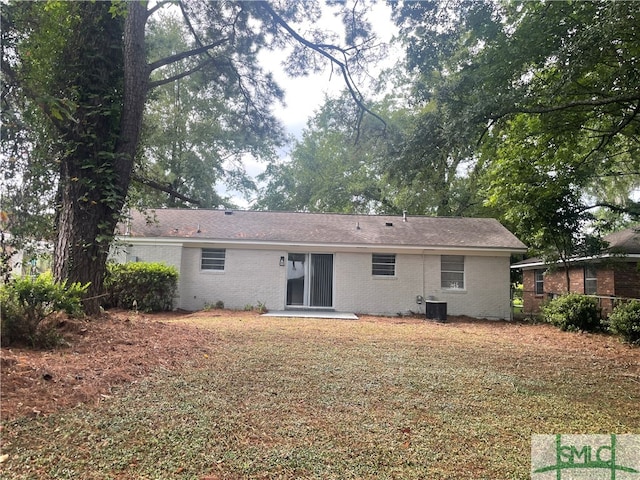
121 347
101 355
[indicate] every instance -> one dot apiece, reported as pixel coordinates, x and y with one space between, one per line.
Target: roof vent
228 212
388 224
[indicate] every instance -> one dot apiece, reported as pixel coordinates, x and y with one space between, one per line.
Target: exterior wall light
282 261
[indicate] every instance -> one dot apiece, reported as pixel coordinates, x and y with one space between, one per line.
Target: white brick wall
252 276
486 294
167 254
357 290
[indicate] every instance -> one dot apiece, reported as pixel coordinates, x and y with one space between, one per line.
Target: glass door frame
299 288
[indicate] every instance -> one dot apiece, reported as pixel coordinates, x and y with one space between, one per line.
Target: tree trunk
136 79
95 176
81 247
567 276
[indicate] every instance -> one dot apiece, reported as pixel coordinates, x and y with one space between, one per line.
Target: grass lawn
373 398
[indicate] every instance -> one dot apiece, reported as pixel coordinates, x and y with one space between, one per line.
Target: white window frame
538 281
380 264
591 277
216 259
446 264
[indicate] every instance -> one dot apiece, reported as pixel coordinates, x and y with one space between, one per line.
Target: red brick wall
606 281
555 281
620 280
530 301
627 280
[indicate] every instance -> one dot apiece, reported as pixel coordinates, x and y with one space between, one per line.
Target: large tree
82 71
541 98
334 167
197 130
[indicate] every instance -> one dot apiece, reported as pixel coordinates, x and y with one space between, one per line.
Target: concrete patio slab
312 314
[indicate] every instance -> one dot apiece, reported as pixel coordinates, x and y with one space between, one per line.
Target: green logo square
585 457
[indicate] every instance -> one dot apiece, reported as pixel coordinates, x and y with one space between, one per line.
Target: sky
304 95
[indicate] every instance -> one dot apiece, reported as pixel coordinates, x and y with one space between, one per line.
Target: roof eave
542 263
177 241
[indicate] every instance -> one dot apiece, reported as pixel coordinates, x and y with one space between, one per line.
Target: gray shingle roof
323 228
626 242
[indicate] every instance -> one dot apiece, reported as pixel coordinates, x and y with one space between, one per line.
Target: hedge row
575 312
625 321
149 287
27 303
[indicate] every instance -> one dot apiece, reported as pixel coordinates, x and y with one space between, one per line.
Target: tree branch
187 20
178 76
321 49
633 209
597 102
157 7
182 55
163 188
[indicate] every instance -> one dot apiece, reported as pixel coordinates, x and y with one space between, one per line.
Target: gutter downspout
424 281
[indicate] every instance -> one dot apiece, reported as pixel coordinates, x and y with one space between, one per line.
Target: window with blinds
383 264
452 272
212 259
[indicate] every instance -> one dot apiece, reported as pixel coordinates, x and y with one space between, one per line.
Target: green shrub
573 312
27 302
261 307
219 305
149 287
625 321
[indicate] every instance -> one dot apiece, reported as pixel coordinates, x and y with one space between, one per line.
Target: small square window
212 259
383 264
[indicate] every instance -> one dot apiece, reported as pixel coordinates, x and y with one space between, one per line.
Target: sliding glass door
310 280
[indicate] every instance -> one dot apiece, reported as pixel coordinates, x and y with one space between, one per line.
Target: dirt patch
102 355
120 348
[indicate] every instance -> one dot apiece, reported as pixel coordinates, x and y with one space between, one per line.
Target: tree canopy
334 167
76 80
526 111
198 128
542 98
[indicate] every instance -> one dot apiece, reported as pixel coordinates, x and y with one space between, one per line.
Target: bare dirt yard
233 395
122 347
100 355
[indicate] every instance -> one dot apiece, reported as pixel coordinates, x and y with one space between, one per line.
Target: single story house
610 276
347 263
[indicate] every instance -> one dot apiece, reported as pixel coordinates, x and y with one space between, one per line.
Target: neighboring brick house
347 263
610 276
